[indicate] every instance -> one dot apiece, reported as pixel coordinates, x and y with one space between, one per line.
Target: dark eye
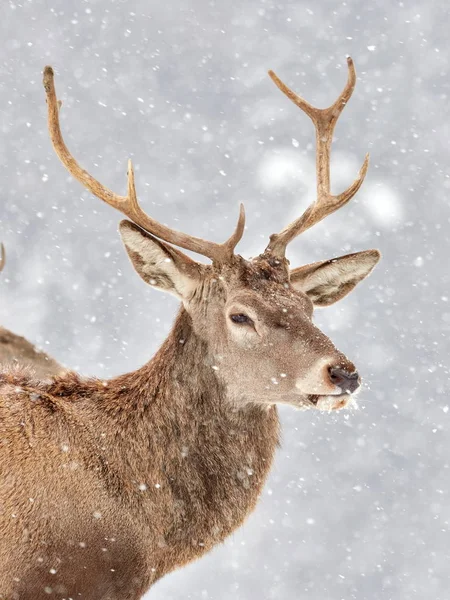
241 319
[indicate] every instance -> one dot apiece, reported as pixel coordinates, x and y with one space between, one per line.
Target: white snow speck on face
97 514
157 486
65 447
215 368
142 487
274 380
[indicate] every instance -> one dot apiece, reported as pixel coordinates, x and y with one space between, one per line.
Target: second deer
15 350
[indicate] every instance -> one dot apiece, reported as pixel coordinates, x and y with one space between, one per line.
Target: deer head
255 316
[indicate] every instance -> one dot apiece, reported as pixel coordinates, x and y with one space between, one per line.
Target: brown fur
15 349
108 485
74 458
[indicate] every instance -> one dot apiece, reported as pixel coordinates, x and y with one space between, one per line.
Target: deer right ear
159 264
328 281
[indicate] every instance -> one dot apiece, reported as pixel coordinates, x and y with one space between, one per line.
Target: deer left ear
159 264
328 281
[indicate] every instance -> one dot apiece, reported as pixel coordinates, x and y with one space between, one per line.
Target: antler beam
2 257
129 205
324 120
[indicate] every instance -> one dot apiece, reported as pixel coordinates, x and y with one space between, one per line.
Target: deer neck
181 380
199 457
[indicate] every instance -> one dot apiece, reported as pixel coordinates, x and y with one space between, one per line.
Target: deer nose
347 382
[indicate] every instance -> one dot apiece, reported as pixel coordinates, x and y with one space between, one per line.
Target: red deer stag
16 350
106 486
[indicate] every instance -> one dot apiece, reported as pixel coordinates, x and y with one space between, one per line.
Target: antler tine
2 257
324 120
129 205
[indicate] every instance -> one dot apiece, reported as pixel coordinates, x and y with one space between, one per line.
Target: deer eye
241 319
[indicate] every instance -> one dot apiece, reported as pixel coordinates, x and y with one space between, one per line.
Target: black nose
348 382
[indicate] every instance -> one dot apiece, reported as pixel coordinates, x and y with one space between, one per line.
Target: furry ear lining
160 265
328 281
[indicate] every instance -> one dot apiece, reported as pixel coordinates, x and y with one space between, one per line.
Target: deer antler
324 120
2 257
129 204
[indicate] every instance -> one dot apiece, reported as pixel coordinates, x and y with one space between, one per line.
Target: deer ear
328 281
160 265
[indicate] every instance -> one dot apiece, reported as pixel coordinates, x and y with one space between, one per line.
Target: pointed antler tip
48 78
365 164
351 70
273 76
131 188
241 221
228 247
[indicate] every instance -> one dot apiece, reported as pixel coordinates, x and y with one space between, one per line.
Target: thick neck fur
171 451
208 458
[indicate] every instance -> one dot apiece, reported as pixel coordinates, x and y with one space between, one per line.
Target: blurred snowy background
357 505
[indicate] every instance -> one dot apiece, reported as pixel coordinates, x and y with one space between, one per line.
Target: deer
108 485
16 350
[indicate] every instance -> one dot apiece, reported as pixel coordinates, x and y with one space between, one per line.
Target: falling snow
357 504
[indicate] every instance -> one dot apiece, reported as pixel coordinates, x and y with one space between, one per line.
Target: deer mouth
328 403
